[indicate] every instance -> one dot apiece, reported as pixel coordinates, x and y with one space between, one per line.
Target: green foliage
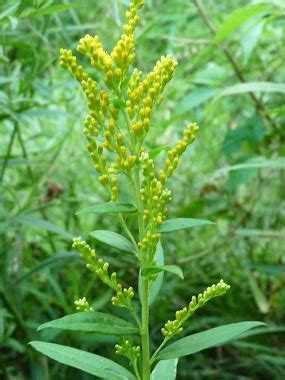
92 322
87 362
233 175
165 369
198 342
181 224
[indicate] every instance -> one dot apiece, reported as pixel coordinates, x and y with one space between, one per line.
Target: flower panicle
174 154
174 327
144 94
101 268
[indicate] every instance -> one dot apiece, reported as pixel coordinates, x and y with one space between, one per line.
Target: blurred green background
230 80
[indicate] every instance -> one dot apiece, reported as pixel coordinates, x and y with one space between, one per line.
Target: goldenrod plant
121 104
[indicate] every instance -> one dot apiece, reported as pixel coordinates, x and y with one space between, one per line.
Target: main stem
145 330
144 290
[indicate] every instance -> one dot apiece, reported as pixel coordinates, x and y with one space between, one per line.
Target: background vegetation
230 80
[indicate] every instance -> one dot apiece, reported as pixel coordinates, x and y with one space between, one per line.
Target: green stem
145 290
135 367
158 349
140 205
145 330
8 154
127 231
136 318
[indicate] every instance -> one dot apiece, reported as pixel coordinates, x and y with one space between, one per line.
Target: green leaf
275 270
257 162
165 369
196 97
237 18
149 271
206 339
85 361
155 152
93 321
52 261
181 224
43 224
105 208
274 360
250 37
114 240
157 283
50 10
242 88
210 74
118 103
10 11
257 293
264 330
271 234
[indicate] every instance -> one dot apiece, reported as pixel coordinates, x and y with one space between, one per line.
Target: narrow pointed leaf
90 363
164 268
165 369
107 208
157 284
45 225
56 260
182 224
239 17
155 152
256 163
206 339
92 321
242 88
114 240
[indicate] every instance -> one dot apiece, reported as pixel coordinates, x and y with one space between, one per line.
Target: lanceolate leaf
106 208
93 321
165 370
155 152
165 268
256 163
239 17
114 240
181 224
206 339
242 88
87 362
157 284
45 225
56 260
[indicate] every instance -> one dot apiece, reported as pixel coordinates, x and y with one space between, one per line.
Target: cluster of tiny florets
101 268
128 350
172 328
175 153
120 111
82 305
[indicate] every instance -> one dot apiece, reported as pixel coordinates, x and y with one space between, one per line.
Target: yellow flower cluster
101 268
93 49
120 109
143 95
155 198
172 328
174 154
110 151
